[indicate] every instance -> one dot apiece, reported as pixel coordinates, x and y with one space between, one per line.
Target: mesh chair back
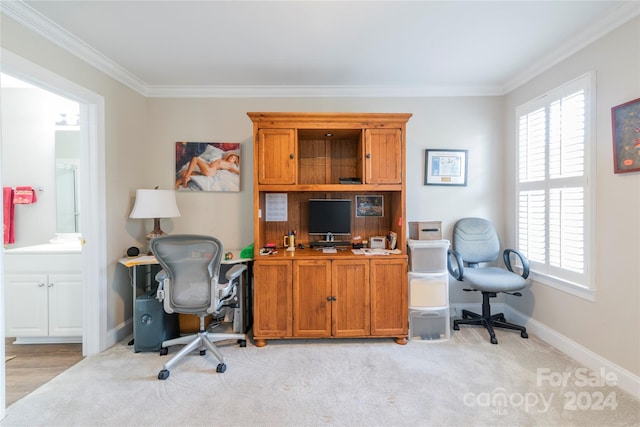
476 240
192 263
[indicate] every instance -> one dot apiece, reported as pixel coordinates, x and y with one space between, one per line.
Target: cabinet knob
40 285
49 285
368 155
328 298
291 156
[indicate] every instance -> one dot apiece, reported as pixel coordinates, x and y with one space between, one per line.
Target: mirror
67 155
45 127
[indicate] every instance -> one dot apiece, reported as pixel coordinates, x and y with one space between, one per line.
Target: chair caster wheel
523 334
494 340
164 351
163 375
242 343
221 368
203 352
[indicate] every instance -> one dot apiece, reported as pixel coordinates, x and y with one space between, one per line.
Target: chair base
203 341
488 320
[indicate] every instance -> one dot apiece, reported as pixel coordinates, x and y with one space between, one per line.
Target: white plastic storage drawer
428 256
428 290
429 325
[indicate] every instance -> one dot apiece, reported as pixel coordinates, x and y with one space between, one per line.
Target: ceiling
322 48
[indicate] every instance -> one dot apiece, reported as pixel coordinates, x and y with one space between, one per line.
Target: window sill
564 286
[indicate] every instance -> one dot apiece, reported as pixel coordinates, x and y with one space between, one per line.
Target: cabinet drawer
50 263
429 325
428 256
428 290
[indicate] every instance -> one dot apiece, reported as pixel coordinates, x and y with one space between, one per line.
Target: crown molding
32 19
622 14
36 22
285 91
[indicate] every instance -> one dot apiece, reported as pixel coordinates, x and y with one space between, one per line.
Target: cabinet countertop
309 253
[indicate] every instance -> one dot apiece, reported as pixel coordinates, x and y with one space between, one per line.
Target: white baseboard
48 340
119 333
626 380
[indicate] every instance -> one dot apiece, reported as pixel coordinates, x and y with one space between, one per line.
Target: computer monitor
330 217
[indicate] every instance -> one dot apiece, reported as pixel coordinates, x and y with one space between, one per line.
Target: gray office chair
476 242
188 283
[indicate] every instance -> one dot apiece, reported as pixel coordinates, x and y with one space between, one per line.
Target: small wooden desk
244 289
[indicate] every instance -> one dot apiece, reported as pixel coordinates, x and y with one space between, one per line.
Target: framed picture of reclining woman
207 166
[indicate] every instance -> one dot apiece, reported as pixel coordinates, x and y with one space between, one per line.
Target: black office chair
475 241
189 285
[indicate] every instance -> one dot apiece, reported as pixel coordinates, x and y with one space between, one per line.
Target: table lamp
155 204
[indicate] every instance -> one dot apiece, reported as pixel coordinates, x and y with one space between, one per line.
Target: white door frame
92 203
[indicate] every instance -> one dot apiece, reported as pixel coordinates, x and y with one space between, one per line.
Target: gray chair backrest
476 240
191 262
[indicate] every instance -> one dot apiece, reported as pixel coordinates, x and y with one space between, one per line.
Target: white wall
465 123
28 151
609 325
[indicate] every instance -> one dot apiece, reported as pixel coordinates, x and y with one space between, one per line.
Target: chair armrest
235 271
456 271
523 259
161 277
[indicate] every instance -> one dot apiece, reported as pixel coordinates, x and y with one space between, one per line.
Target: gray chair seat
493 279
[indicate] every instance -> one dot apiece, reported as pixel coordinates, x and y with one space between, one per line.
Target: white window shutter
552 183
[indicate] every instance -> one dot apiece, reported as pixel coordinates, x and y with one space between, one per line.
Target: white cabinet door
65 305
26 305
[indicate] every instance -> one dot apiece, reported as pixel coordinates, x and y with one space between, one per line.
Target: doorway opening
88 200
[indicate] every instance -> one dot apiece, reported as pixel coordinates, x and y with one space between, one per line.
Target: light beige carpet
460 382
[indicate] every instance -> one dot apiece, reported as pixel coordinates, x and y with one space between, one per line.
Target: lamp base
157 231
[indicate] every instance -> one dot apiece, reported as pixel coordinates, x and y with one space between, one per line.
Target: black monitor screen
329 216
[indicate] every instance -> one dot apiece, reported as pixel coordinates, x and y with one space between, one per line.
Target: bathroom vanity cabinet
43 297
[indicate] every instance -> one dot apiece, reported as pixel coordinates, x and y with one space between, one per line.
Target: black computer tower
151 324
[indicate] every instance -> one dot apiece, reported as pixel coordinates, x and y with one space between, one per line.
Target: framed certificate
445 167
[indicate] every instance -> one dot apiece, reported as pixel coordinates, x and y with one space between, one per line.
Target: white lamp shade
155 204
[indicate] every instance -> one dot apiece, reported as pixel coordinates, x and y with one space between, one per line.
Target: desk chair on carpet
475 242
189 285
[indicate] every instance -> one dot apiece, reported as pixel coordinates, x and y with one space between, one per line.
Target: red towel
24 196
7 214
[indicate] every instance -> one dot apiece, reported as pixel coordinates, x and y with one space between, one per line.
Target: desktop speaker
151 325
133 251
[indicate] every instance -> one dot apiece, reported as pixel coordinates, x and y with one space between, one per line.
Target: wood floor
35 365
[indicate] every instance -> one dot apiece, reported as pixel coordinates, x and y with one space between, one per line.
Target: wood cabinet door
383 156
389 299
350 311
272 299
312 298
276 156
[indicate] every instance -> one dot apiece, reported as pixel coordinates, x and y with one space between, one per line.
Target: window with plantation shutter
553 195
